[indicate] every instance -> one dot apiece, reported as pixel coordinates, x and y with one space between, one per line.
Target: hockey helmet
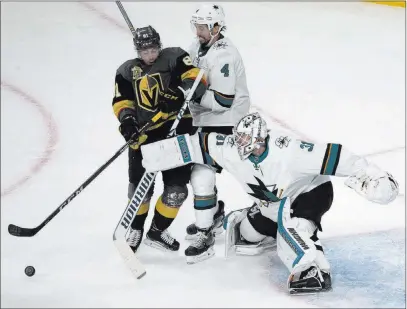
146 37
249 133
209 14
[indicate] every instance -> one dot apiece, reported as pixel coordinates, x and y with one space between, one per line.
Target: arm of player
124 98
203 148
332 159
184 75
219 97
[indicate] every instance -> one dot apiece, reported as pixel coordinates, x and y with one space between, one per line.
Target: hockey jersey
227 99
288 167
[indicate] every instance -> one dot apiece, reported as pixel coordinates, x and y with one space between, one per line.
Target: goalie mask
249 134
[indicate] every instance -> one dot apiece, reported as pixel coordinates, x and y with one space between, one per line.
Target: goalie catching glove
374 184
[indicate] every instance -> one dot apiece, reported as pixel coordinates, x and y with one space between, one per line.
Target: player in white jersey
225 102
289 180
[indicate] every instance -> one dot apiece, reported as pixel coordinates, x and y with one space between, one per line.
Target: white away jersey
227 99
288 167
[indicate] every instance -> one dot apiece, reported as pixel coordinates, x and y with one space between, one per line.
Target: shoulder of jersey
281 140
125 68
172 51
224 46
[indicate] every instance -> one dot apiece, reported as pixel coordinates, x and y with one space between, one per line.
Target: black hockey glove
128 127
172 100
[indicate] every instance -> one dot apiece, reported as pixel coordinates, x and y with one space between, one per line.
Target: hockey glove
374 184
128 127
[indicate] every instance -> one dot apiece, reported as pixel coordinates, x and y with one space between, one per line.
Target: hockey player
221 107
289 180
158 80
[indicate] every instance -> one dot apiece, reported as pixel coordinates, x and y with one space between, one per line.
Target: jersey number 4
225 70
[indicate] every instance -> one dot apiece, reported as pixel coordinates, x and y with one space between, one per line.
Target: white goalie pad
171 153
232 232
374 184
257 248
294 246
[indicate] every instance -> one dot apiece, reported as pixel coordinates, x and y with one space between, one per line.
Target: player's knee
203 180
174 196
249 233
132 188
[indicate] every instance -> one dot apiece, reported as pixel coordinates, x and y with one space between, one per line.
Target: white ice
330 72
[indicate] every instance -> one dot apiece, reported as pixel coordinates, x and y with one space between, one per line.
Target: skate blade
202 257
156 245
303 292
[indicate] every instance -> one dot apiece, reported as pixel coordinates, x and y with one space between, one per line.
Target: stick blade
21 231
136 267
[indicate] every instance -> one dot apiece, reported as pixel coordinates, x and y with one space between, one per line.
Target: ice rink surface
326 72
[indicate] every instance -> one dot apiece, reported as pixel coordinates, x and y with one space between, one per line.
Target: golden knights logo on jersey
148 89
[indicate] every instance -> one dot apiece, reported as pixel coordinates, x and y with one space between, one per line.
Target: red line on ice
52 133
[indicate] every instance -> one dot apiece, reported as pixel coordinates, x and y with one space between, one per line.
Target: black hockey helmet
146 37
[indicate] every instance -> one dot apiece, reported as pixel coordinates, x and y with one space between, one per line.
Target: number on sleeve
306 145
220 139
225 70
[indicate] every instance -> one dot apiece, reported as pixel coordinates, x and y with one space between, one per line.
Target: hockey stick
119 235
29 232
126 18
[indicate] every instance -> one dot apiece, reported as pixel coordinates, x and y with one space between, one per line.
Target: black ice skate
202 247
192 230
161 240
134 239
310 281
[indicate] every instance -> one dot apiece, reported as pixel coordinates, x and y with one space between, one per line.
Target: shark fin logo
261 192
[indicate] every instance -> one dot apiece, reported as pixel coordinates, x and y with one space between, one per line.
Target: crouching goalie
290 182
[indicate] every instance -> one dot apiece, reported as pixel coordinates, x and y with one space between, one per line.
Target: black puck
29 271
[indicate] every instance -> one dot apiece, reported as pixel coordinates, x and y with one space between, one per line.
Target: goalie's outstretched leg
298 245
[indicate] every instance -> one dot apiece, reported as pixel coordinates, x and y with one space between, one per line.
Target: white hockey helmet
249 134
209 14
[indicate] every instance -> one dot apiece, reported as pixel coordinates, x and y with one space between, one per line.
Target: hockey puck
29 271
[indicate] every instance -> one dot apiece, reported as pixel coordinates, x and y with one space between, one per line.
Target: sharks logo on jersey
261 191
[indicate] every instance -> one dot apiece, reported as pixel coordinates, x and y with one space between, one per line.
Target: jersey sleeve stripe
193 74
331 159
119 106
203 141
223 100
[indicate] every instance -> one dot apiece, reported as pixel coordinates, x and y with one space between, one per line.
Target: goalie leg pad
232 226
296 247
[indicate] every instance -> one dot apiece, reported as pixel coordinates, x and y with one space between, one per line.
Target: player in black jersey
157 80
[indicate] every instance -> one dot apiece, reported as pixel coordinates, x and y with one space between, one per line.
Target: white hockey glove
374 184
